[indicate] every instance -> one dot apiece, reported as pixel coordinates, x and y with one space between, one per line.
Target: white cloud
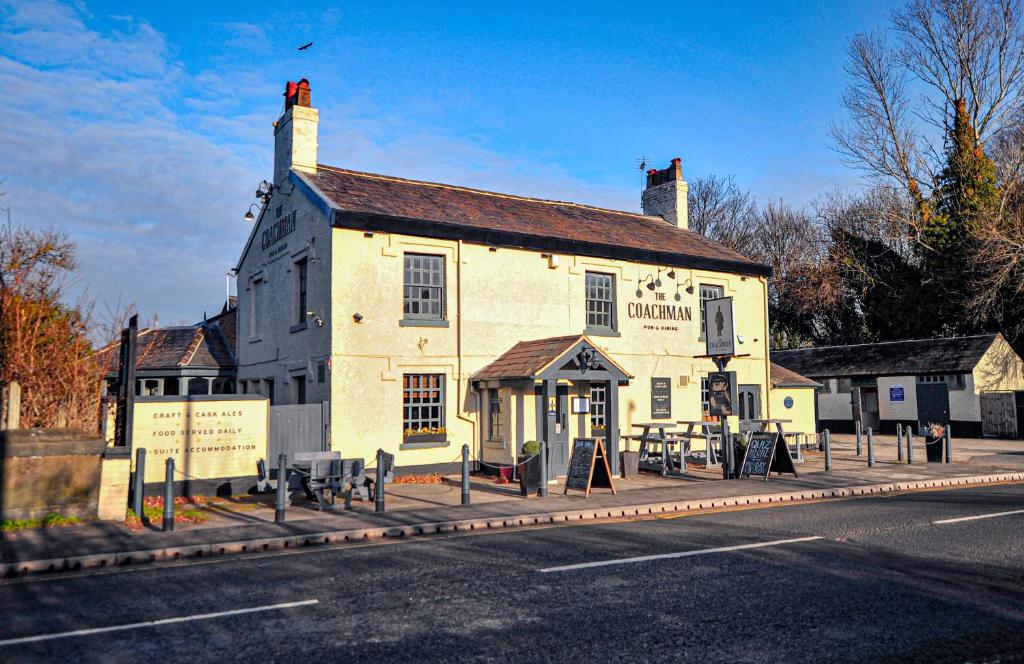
149 167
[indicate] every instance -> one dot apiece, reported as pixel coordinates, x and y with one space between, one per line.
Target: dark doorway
869 408
560 438
932 403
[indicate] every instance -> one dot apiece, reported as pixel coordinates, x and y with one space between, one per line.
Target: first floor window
495 422
707 293
299 383
598 406
255 306
600 301
302 278
423 287
422 402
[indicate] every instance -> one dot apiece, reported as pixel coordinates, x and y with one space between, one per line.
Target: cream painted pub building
431 316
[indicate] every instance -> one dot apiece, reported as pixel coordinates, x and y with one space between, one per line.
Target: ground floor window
495 421
954 381
422 402
598 407
705 397
299 383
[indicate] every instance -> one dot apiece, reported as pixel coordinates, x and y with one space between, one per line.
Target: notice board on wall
661 398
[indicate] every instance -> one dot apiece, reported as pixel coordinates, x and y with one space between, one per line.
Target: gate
998 415
297 428
932 403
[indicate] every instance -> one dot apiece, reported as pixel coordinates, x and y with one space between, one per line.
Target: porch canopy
543 363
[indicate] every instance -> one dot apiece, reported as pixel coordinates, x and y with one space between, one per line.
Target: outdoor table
668 467
708 433
765 424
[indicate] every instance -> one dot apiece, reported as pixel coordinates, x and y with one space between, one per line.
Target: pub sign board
719 335
661 398
723 393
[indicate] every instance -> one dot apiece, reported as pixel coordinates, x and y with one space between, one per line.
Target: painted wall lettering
278 230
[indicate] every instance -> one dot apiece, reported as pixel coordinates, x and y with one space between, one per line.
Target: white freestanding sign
719 335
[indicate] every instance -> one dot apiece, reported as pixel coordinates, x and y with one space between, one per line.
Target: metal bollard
281 498
949 444
826 437
140 482
379 485
910 446
899 442
543 469
465 474
169 496
859 430
871 448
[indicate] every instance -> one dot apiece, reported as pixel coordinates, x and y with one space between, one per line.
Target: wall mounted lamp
249 216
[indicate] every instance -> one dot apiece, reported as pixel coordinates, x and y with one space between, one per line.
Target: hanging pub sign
767 452
588 467
661 398
719 335
722 393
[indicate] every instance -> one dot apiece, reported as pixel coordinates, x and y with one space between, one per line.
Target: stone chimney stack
295 133
665 195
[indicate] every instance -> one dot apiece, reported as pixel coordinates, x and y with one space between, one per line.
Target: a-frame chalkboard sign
767 452
588 467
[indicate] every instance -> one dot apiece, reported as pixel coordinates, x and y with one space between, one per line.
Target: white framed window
600 295
598 406
957 381
495 420
423 287
708 292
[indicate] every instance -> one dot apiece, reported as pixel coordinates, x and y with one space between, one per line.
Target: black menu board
588 466
661 398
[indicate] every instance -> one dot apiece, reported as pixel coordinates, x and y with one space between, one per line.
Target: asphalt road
882 582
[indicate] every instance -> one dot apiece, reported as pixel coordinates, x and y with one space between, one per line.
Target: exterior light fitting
357 317
671 274
249 216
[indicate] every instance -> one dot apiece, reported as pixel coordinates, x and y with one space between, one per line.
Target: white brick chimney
665 195
295 133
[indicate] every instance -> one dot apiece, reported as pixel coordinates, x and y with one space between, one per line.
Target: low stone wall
49 470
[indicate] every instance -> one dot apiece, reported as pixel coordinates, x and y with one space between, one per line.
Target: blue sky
142 131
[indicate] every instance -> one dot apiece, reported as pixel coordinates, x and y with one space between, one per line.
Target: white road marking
154 623
678 554
980 516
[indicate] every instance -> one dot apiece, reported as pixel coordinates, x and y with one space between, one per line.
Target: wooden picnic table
666 440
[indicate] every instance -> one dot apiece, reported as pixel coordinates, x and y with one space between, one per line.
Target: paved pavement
239 519
880 581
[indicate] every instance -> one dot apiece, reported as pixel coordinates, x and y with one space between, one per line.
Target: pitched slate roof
389 204
528 358
177 347
890 358
783 377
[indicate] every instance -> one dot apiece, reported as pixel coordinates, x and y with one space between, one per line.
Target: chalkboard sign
767 452
588 467
661 398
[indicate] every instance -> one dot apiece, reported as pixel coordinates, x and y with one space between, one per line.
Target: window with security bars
423 281
705 396
600 301
707 293
495 421
598 406
422 402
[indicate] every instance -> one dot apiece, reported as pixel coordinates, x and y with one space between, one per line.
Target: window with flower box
423 407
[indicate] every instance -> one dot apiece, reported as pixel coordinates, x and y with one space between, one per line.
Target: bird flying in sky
305 46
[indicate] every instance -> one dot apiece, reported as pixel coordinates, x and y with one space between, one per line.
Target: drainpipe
458 352
767 357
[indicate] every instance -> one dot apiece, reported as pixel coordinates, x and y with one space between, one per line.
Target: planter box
426 438
934 447
529 474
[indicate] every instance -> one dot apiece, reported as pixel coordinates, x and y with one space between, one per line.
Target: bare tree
953 51
722 211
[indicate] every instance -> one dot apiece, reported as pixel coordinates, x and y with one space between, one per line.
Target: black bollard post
859 429
465 474
826 437
910 446
899 442
140 483
728 468
543 468
169 496
871 448
281 497
379 484
949 444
